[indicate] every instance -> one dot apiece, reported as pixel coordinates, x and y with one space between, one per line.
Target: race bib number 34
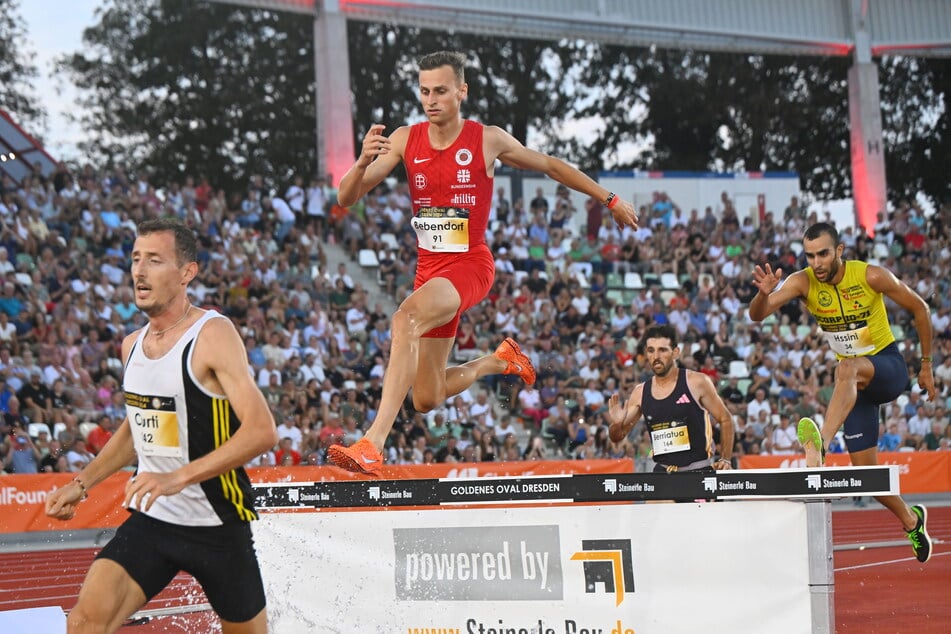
442 229
852 341
154 424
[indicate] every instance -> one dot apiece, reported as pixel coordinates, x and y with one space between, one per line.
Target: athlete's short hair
822 228
453 59
661 331
186 244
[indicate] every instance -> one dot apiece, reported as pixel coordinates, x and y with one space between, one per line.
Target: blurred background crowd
311 286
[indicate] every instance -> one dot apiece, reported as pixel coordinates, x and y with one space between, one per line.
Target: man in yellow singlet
847 299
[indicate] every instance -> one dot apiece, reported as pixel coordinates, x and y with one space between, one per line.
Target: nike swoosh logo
368 460
417 161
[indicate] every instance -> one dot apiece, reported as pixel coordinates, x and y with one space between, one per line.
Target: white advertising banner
582 569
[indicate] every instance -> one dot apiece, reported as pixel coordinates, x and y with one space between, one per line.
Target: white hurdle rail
820 483
570 554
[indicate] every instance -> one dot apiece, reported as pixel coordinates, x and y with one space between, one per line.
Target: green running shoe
918 536
810 437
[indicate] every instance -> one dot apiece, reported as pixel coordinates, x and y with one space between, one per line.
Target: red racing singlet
450 190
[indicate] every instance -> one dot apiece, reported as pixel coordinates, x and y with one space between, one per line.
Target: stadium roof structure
810 27
861 29
21 154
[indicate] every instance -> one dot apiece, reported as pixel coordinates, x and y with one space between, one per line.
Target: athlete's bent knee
79 621
401 321
405 323
425 404
847 371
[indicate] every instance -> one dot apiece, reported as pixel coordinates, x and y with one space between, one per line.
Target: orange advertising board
22 497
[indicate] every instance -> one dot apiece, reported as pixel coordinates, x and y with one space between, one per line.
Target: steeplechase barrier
557 554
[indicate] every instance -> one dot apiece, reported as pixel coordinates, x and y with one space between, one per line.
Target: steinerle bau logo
608 564
612 486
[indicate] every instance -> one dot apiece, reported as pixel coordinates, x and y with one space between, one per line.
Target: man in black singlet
678 405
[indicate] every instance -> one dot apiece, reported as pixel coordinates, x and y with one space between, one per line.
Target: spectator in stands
35 399
55 459
946 439
535 450
783 438
932 440
290 428
557 422
530 405
331 432
579 433
8 332
759 404
450 451
286 455
78 455
97 438
732 395
487 449
942 373
510 450
10 303
593 399
919 424
21 455
13 417
351 433
891 440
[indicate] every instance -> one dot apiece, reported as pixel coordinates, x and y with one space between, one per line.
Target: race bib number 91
442 229
154 424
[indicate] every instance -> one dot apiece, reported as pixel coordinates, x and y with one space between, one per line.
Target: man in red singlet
450 163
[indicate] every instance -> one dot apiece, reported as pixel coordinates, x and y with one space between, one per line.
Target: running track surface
881 590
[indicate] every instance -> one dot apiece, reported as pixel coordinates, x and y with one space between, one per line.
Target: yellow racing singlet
851 314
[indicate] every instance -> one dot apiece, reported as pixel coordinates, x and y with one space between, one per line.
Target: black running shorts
221 558
890 380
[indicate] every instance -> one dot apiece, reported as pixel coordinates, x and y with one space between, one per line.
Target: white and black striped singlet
174 420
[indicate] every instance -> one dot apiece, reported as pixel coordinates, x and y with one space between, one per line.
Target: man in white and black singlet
194 418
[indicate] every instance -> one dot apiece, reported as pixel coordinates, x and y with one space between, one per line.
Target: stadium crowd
576 292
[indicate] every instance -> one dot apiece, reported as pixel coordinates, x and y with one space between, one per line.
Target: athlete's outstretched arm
507 149
769 298
884 281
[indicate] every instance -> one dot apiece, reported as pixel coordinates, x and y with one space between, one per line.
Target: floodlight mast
332 96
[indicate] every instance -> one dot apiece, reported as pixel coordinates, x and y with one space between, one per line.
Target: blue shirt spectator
890 440
9 303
